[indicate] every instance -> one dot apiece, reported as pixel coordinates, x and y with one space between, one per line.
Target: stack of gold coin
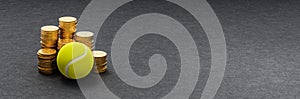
49 36
86 38
46 60
100 61
67 27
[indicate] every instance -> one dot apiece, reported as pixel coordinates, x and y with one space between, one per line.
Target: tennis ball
75 60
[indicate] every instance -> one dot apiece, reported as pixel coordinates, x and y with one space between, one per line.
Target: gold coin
84 34
100 70
46 62
47 38
46 71
47 51
52 47
66 25
64 31
87 44
67 31
48 46
100 60
90 46
49 34
46 56
99 54
103 69
65 40
87 41
49 28
46 68
100 64
83 38
67 19
48 43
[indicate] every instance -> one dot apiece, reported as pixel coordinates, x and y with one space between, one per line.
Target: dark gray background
262 38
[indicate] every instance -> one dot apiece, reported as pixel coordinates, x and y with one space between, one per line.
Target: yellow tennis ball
75 60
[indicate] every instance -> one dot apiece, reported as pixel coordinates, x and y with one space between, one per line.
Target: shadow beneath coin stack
68 82
54 75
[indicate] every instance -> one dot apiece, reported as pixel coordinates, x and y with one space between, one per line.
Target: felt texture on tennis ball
75 60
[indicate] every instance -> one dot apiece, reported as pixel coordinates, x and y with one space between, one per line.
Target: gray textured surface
262 39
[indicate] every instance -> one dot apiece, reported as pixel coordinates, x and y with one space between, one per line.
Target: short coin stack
67 27
86 38
47 53
46 63
100 61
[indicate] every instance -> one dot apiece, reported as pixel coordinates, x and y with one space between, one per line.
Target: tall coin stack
67 27
100 61
86 38
47 53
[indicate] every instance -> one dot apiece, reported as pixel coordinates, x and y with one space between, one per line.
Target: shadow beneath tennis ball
68 82
92 80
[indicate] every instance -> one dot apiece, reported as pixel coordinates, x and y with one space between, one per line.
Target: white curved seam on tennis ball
75 60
